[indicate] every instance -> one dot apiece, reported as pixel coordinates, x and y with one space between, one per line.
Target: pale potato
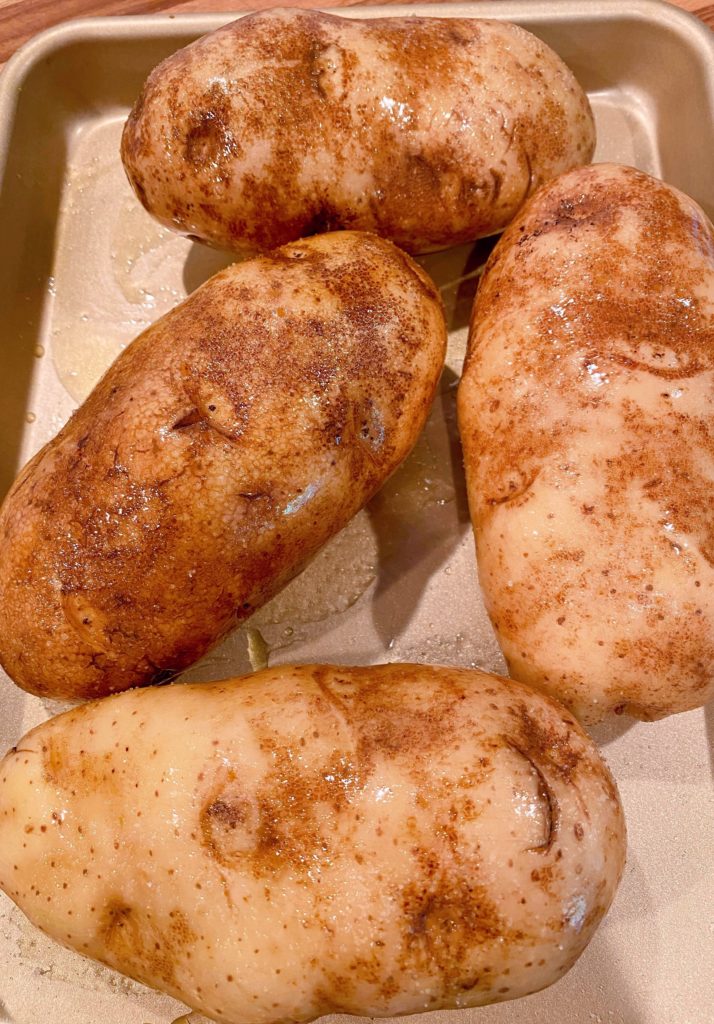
312 840
218 454
587 416
428 131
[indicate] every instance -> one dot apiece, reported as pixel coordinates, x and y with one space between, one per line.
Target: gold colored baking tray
84 269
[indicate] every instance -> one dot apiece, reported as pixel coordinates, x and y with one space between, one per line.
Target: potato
312 840
587 417
428 131
217 455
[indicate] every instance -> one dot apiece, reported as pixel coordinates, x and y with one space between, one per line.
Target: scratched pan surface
84 270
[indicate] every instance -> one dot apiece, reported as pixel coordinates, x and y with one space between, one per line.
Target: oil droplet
402 512
477 650
39 351
30 417
258 650
334 580
116 269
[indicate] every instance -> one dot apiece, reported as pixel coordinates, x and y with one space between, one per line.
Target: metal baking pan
84 269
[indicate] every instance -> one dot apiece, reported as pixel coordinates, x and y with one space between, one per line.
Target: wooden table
20 19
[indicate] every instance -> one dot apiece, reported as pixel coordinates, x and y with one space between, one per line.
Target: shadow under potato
456 269
202 262
419 516
596 989
37 151
456 273
12 702
611 729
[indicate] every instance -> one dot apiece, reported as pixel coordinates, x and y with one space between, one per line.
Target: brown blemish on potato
516 489
446 922
287 824
587 210
209 138
146 950
228 815
547 878
555 749
78 770
386 726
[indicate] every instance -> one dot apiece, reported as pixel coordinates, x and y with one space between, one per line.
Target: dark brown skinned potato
222 449
427 131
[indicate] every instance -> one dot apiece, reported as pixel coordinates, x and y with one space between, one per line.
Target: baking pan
84 269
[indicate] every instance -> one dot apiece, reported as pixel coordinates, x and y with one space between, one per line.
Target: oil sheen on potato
314 840
587 417
216 456
427 131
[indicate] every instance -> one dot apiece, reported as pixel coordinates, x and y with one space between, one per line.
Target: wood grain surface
21 19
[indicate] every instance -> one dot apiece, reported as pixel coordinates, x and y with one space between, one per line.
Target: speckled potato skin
586 412
312 840
216 456
427 131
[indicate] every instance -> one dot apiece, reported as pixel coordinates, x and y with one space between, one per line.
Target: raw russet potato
586 412
221 450
311 840
428 131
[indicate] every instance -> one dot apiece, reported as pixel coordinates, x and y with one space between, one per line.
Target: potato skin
216 456
310 840
427 131
587 417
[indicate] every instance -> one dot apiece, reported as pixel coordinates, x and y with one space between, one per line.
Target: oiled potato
587 416
428 131
217 455
314 839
